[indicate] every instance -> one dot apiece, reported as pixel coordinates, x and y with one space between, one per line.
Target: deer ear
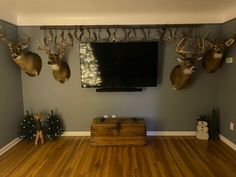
229 42
179 60
24 46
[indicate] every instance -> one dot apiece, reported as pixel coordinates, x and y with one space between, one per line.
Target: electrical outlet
229 60
231 126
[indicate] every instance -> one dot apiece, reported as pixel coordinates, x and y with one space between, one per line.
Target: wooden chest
118 132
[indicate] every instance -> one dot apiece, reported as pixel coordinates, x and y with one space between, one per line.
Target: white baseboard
76 133
9 145
171 133
228 142
149 133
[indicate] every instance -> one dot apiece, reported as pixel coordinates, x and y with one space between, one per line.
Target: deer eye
50 62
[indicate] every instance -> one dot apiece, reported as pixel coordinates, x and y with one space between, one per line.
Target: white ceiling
97 12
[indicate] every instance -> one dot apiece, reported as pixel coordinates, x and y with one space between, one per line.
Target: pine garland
54 126
27 127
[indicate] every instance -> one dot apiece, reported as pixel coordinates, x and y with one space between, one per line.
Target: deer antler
47 51
195 49
209 43
25 41
44 48
51 36
71 38
181 47
172 35
62 45
200 44
3 38
114 39
1 31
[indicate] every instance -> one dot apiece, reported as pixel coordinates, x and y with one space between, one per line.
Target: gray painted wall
11 101
163 108
227 88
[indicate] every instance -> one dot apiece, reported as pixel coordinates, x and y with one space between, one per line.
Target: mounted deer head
181 74
60 69
213 59
29 62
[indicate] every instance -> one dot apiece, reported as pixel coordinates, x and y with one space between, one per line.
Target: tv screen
119 64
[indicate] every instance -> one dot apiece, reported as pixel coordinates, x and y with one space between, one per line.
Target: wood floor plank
162 157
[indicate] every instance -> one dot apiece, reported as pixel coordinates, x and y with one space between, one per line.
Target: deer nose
14 56
50 62
219 51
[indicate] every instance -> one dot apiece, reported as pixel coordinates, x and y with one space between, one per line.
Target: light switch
231 126
229 60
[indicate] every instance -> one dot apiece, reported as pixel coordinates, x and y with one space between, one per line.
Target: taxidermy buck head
29 62
60 69
181 74
213 59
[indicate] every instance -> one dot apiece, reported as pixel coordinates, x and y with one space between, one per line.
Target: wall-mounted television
119 64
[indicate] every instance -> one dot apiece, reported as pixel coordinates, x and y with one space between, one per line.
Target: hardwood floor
162 157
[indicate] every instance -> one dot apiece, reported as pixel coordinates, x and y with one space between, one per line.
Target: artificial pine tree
27 127
54 126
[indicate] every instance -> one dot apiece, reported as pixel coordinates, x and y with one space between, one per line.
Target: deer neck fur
55 67
185 71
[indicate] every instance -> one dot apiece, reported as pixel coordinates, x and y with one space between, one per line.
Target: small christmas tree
54 126
27 127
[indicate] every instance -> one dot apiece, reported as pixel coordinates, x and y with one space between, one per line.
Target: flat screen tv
119 64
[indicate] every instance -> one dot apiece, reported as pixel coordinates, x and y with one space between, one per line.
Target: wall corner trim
228 142
9 145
